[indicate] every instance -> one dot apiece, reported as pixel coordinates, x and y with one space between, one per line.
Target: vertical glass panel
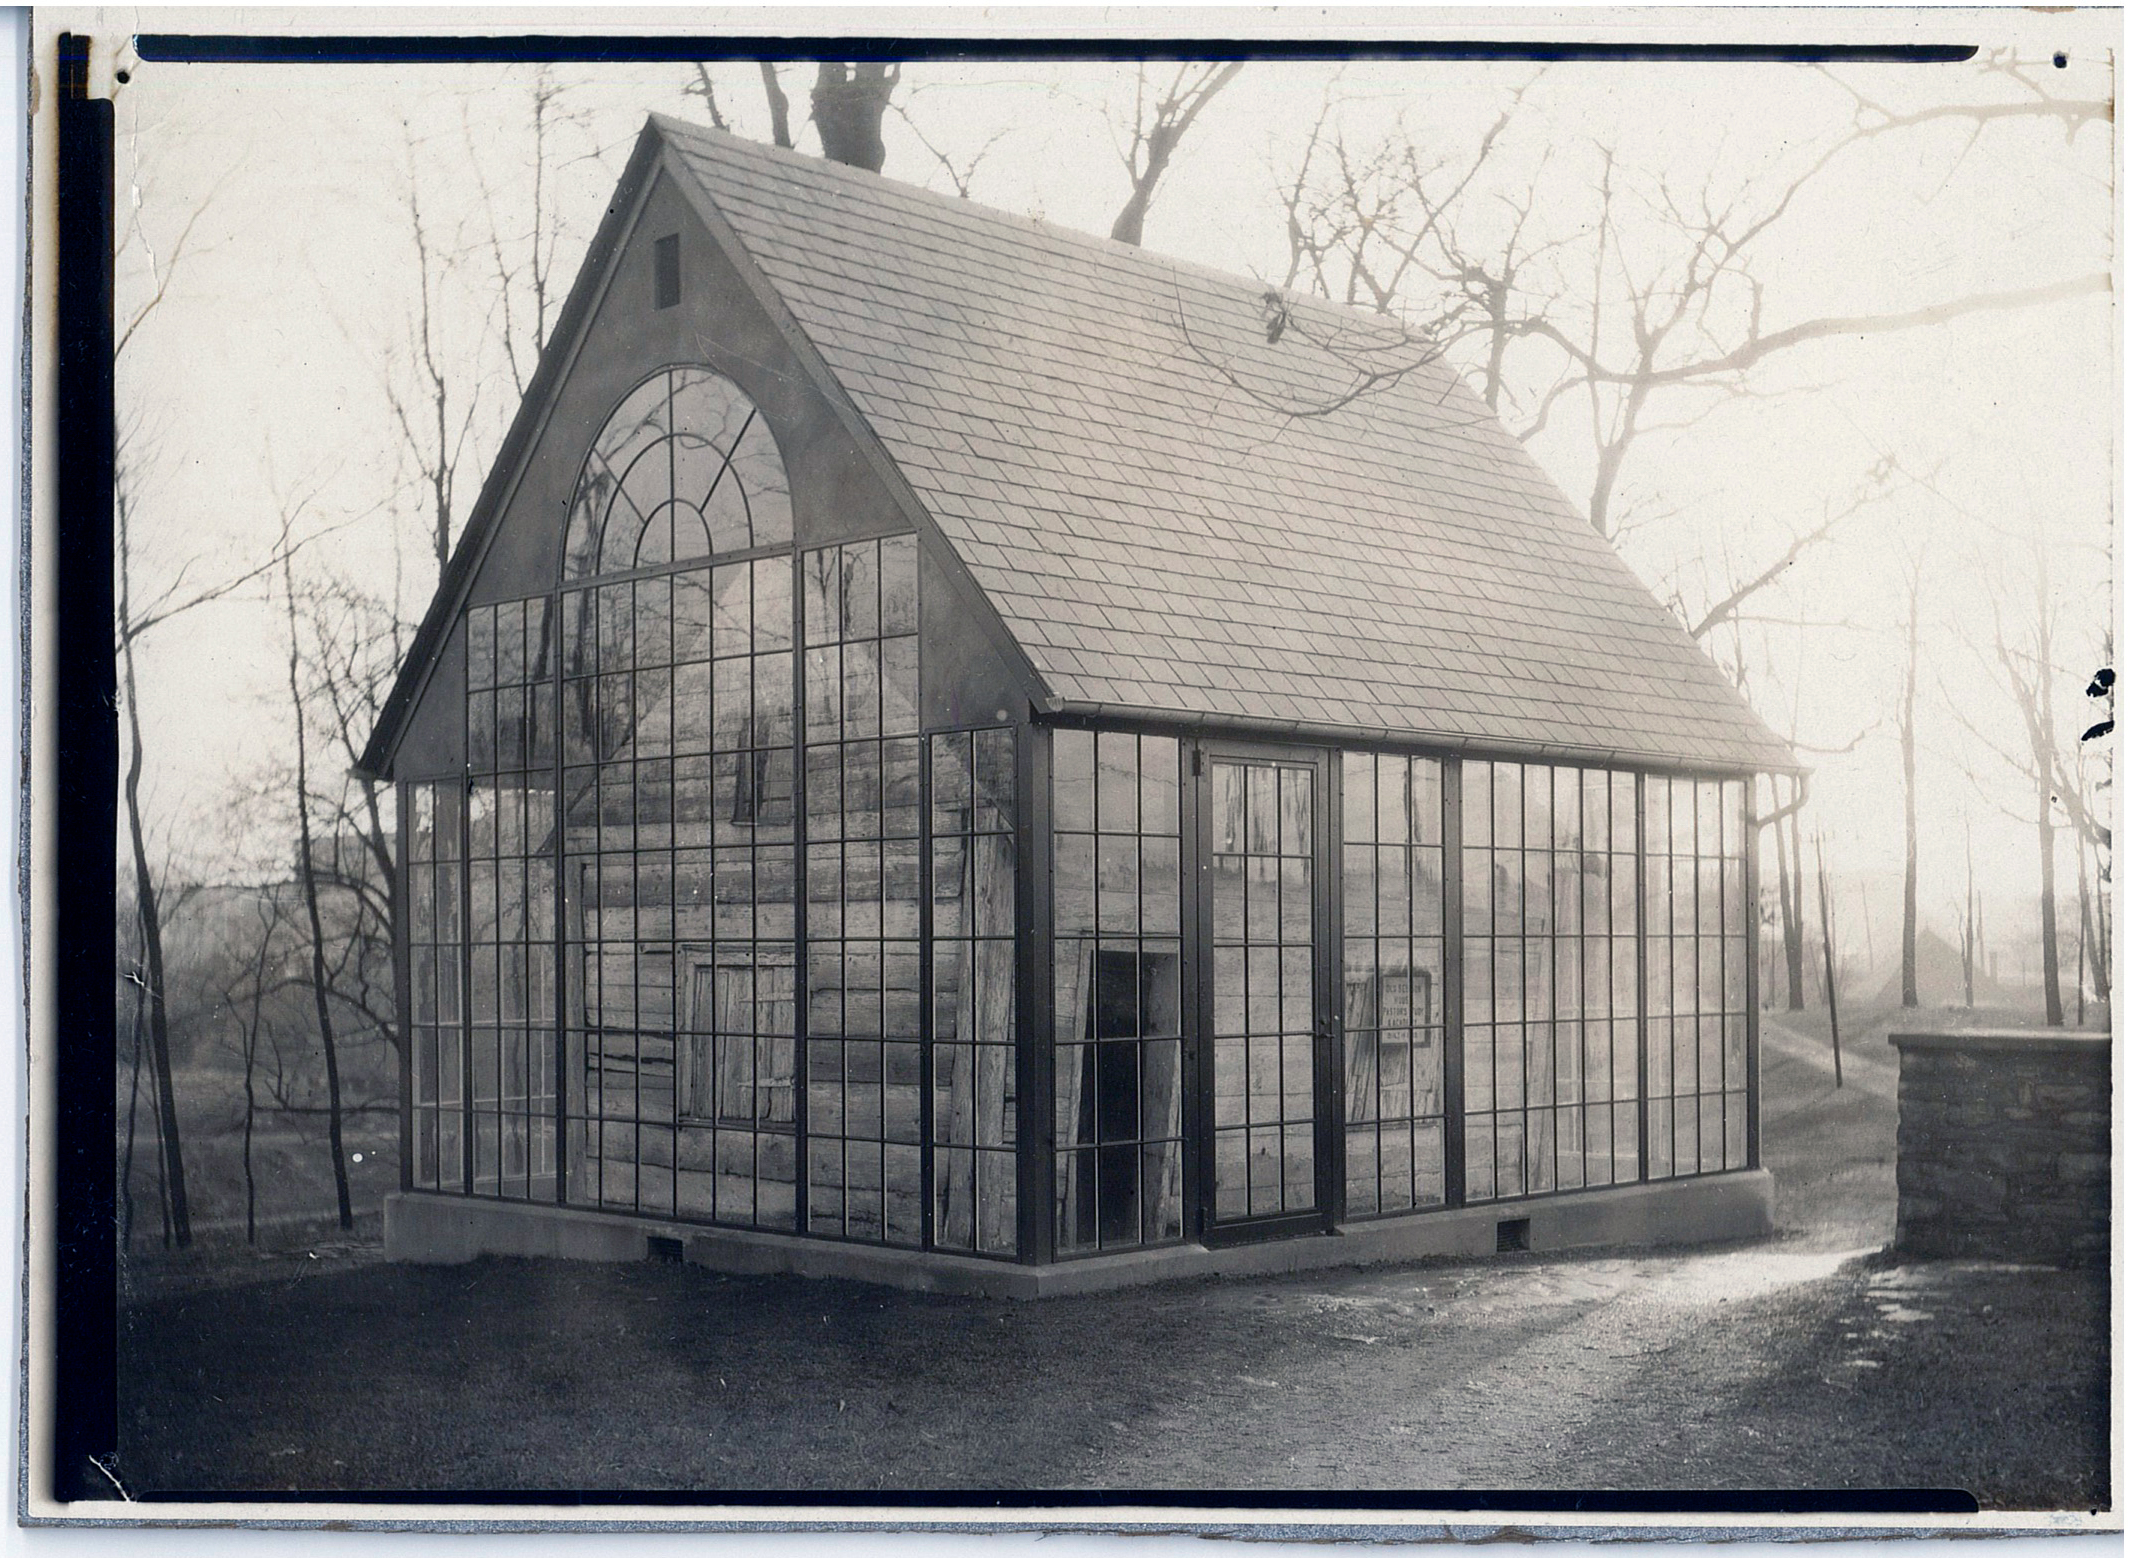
1508 806
1261 808
1160 886
861 590
1117 782
821 583
898 686
480 647
1477 823
1297 792
1158 756
996 782
1228 804
1358 795
1427 801
861 689
898 585
1073 779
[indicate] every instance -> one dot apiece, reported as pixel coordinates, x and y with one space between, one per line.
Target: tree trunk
2084 941
779 105
1826 943
173 1156
308 874
1970 927
2103 977
1172 120
1793 916
1908 810
849 103
2051 977
133 1109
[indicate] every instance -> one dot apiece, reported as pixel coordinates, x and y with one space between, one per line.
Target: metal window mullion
1641 965
1553 977
402 978
1034 1060
1328 921
1195 1116
1749 843
802 1056
1453 955
465 951
559 853
927 1037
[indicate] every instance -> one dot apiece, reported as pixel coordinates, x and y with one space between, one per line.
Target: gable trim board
1126 564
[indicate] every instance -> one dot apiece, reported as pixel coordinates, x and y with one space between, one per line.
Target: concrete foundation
1717 1207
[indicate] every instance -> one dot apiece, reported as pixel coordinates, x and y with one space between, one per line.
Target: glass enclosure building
939 736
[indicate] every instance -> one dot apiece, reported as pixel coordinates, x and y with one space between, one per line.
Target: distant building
1941 978
953 736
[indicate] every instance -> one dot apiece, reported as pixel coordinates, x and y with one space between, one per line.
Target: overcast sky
262 375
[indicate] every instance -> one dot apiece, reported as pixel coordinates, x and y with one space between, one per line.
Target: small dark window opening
665 257
1136 997
1514 1234
663 1251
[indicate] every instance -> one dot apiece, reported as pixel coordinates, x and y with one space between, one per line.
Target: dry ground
1805 1362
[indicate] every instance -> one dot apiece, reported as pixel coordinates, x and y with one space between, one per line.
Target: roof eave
1766 760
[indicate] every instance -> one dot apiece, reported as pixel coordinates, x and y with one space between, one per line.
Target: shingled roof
1178 516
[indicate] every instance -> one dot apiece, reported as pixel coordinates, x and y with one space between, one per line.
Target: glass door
1263 929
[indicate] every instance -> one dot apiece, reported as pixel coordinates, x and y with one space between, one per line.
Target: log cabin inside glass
949 734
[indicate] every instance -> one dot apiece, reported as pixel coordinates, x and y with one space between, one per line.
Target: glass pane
1393 800
480 647
1073 779
1158 758
1117 782
1478 808
995 780
898 585
1358 795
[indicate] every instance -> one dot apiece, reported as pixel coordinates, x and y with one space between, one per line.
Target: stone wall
2004 1145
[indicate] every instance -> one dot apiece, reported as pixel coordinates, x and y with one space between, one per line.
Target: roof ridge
863 180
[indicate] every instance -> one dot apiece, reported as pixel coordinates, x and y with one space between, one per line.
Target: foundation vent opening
662 1251
1512 1234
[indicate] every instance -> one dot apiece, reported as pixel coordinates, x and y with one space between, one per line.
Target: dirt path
1797 1363
1456 1377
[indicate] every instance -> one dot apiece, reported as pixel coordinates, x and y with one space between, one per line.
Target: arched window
684 468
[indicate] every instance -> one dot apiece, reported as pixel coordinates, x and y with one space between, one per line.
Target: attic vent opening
665 264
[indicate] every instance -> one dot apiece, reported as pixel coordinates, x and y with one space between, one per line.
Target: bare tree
850 99
1969 918
525 280
1826 947
1907 727
706 89
1159 124
246 993
307 876
2024 660
960 170
136 619
436 413
1677 318
779 106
